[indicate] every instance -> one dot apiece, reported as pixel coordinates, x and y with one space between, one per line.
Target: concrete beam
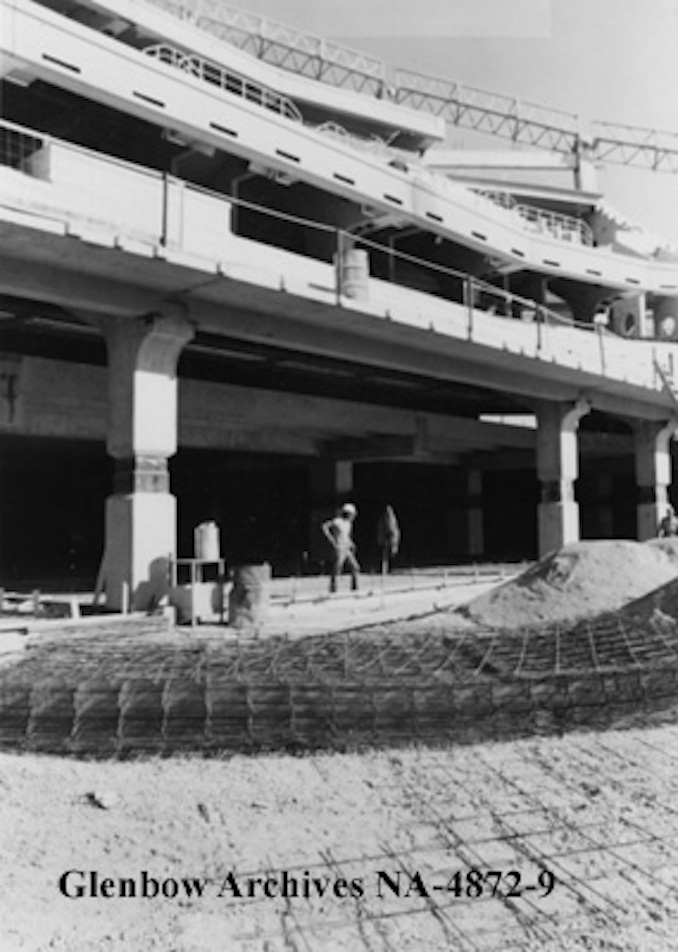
255 314
444 159
75 290
377 447
220 410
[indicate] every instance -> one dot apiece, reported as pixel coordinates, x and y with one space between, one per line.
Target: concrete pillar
652 444
557 470
586 169
476 526
142 436
331 483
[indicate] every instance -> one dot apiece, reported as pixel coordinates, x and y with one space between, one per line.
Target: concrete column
331 483
142 436
586 169
476 526
652 443
557 470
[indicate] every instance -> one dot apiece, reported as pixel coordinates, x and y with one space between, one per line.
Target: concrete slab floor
304 606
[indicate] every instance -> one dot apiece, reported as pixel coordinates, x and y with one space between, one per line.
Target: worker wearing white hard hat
668 526
339 533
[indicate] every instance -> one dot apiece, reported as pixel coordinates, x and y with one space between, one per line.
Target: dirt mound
668 546
579 580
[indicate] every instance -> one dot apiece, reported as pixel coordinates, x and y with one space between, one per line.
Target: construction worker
388 537
339 533
669 524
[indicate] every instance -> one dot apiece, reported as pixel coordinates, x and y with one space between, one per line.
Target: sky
614 60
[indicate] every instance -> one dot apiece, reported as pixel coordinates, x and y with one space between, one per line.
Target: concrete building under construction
245 278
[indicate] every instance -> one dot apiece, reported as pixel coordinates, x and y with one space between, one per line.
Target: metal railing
282 46
518 323
224 79
373 144
451 284
263 96
233 83
19 147
503 199
560 227
554 224
511 118
18 143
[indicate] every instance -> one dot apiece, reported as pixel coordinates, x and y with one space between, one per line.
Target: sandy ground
581 832
595 811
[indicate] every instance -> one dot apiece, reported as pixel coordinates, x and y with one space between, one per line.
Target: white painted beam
444 160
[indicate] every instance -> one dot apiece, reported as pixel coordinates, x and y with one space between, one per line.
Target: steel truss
522 122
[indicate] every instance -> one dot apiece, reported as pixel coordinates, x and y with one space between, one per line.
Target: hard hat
349 509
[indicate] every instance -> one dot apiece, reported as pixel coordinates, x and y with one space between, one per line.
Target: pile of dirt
577 581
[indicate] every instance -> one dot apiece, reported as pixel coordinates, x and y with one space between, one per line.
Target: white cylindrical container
206 542
355 273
